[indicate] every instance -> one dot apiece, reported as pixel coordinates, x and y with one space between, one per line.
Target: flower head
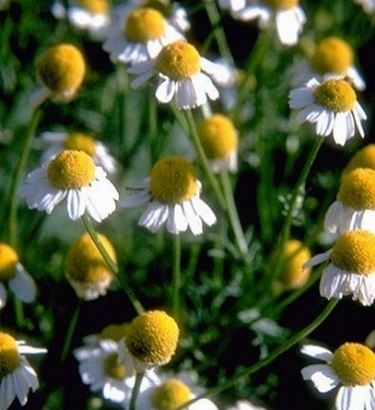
73 175
61 69
11 270
351 270
180 69
16 374
220 141
364 158
173 194
331 105
351 366
86 268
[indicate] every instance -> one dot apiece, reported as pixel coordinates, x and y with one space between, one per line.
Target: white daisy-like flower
245 405
58 141
355 204
99 368
332 105
173 196
138 35
368 5
351 270
72 175
181 73
351 368
12 271
16 374
232 5
286 15
364 158
219 139
332 58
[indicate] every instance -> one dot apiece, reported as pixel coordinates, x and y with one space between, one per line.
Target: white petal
135 200
195 223
203 211
318 352
318 259
340 130
23 285
176 221
333 217
7 393
166 90
3 296
154 216
322 375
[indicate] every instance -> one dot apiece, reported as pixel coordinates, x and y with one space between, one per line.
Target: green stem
303 333
17 178
112 265
233 216
203 159
153 130
135 391
18 312
69 334
176 275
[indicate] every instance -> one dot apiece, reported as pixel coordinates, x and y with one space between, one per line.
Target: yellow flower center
152 337
282 4
357 189
354 364
170 395
144 24
71 170
114 332
114 369
364 158
62 68
178 61
94 6
332 55
80 142
173 180
84 262
9 355
218 136
355 252
294 256
8 261
335 95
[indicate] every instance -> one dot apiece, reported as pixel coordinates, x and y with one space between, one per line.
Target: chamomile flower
286 15
72 175
58 141
12 271
351 270
364 158
139 35
173 196
113 331
172 393
99 368
181 73
355 204
219 139
332 58
351 368
151 340
61 70
16 374
368 5
86 269
332 105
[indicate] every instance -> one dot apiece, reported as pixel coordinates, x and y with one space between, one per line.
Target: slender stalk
135 391
70 332
176 275
271 357
153 130
233 216
203 159
112 265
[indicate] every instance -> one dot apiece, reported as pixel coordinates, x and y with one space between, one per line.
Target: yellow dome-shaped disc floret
9 356
113 369
8 262
94 6
355 252
332 55
364 158
282 4
179 60
152 337
173 180
170 395
354 364
218 136
357 189
80 142
84 262
336 95
62 68
144 24
295 254
114 332
71 170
